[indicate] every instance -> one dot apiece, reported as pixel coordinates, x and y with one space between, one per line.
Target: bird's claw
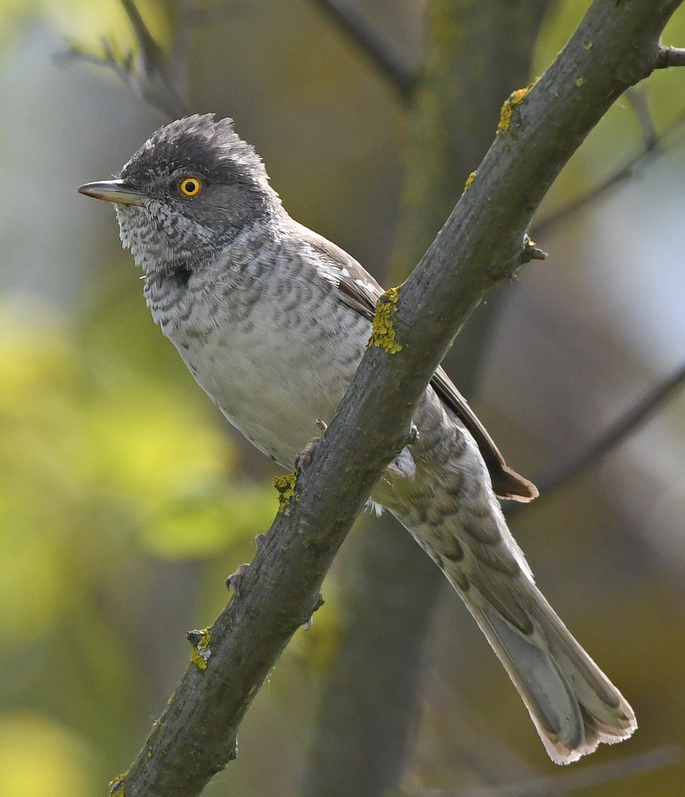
235 580
304 458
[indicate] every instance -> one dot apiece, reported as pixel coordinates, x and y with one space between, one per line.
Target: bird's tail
572 703
450 509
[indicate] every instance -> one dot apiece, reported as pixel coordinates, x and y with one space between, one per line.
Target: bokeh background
125 500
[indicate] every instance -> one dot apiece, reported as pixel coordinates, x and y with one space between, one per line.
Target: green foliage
38 756
96 453
105 466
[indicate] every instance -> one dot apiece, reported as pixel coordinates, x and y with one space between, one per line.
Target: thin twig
619 431
377 47
569 782
151 77
671 56
653 148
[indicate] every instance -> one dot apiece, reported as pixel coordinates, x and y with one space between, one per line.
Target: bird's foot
304 458
235 580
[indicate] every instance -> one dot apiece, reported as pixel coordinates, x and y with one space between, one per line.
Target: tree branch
159 80
654 147
376 47
619 431
638 98
480 244
670 56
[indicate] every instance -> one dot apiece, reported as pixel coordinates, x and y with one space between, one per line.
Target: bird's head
187 193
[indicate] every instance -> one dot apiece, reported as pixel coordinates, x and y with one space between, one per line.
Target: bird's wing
506 483
359 290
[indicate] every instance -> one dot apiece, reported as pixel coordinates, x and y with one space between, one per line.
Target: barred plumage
272 320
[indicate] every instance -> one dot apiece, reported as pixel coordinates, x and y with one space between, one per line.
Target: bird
272 320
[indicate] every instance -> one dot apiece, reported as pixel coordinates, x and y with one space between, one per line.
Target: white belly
274 382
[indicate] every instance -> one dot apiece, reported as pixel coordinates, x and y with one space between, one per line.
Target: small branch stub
383 334
531 252
671 56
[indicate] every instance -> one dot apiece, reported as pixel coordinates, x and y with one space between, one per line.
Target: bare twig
378 49
654 147
569 782
671 56
560 474
155 78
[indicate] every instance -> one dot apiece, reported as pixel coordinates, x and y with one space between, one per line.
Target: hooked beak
113 191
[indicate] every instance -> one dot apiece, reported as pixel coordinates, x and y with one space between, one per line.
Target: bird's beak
113 191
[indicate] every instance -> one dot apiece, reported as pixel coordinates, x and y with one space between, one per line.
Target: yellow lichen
579 82
286 491
589 45
509 104
469 181
383 333
201 651
116 786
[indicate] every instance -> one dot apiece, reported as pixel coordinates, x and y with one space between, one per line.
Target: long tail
572 703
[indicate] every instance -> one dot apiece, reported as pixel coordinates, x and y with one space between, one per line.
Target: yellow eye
190 186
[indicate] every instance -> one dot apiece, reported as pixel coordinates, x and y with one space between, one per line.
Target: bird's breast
274 358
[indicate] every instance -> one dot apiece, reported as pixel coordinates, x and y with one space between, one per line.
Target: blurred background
125 500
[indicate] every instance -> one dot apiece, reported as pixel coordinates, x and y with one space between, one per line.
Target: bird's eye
190 186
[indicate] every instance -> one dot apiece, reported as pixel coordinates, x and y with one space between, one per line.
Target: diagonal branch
177 61
159 80
638 98
619 431
480 244
653 148
376 47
